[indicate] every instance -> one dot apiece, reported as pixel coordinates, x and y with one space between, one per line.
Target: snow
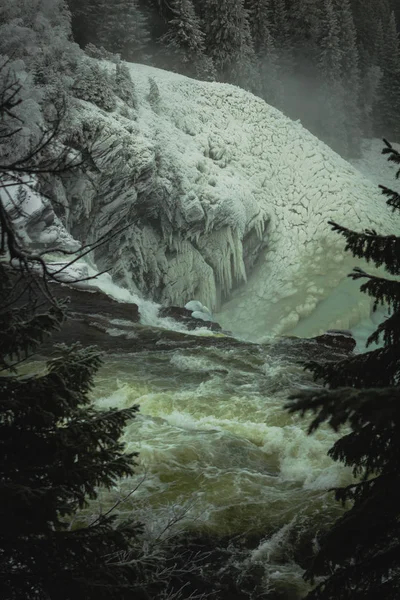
33 217
249 168
228 202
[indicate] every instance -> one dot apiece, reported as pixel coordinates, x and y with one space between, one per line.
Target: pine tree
124 29
387 108
87 18
281 34
350 78
367 13
228 40
332 126
124 86
271 87
259 12
305 21
369 86
330 57
120 26
93 84
56 449
379 46
359 555
261 24
185 39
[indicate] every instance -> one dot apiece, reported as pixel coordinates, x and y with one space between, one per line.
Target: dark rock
336 338
95 302
94 330
94 318
334 345
183 315
175 312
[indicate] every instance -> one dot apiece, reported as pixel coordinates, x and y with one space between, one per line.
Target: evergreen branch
390 331
346 406
381 250
377 368
394 197
394 155
384 291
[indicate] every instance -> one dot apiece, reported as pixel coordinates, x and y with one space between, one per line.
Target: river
221 461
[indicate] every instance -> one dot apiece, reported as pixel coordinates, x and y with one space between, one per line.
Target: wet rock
333 345
175 312
340 339
94 318
184 315
95 302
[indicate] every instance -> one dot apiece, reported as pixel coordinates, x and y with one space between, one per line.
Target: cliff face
227 201
202 191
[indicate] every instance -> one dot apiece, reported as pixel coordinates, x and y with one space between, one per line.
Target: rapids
222 466
219 455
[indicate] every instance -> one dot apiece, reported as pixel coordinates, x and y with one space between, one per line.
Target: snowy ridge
228 199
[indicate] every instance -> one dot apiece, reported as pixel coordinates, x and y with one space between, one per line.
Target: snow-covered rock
33 216
228 202
194 305
197 314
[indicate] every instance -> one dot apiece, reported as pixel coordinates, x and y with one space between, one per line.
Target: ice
32 215
248 168
227 201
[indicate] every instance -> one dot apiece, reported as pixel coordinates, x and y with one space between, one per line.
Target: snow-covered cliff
228 202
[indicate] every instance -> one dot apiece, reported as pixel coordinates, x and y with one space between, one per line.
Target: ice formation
33 217
228 202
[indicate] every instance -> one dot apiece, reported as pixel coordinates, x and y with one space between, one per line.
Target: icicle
238 262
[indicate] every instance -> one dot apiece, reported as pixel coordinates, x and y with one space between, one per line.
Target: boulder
175 312
333 345
340 339
95 302
186 316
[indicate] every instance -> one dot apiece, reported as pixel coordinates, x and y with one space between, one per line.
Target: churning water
219 455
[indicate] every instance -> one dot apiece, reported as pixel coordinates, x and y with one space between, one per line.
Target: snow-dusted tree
332 125
367 14
379 45
370 83
154 96
123 28
350 77
124 86
228 40
330 55
271 86
119 26
94 84
304 20
185 41
282 35
38 33
388 102
260 21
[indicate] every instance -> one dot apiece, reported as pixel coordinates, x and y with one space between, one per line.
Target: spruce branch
384 291
379 249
